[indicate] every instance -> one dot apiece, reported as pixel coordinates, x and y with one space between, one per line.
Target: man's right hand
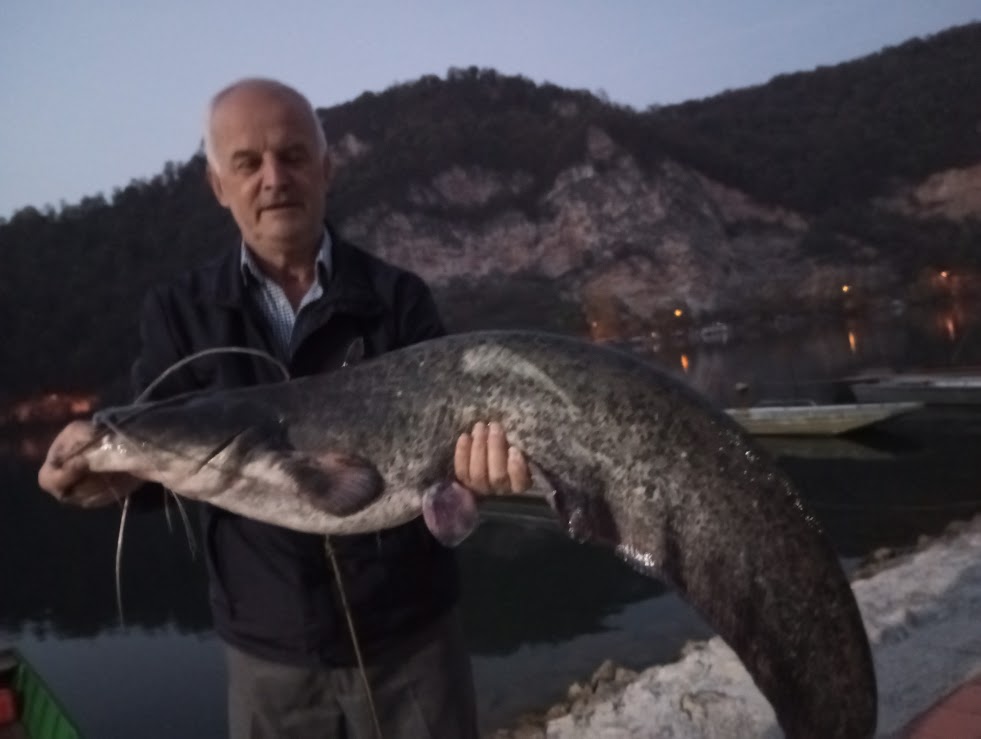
66 474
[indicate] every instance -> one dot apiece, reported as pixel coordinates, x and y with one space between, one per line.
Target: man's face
268 170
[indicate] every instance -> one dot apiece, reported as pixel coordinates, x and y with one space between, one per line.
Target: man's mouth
279 207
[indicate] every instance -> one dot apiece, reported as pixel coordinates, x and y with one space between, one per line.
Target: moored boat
28 708
816 420
929 388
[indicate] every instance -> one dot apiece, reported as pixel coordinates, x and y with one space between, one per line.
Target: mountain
535 206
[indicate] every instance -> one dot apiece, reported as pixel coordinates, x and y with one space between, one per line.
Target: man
296 290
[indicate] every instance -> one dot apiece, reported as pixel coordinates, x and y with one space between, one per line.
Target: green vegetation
827 138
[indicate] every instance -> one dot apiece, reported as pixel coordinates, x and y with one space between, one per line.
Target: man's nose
274 173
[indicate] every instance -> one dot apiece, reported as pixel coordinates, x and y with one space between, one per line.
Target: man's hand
66 474
485 463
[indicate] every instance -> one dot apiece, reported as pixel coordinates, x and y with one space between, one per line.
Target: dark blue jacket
272 592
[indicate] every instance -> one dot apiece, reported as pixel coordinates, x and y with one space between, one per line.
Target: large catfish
632 458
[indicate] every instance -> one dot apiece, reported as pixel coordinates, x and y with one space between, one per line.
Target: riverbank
920 610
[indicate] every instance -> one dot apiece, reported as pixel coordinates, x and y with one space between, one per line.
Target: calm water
541 611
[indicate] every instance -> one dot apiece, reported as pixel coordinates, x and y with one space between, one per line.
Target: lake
541 611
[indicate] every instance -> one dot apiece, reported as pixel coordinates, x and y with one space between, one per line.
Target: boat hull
816 420
926 389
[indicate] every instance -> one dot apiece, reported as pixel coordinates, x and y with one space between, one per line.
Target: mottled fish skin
636 458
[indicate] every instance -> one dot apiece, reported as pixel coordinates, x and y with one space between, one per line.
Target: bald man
293 288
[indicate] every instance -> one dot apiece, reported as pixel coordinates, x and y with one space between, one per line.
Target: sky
95 94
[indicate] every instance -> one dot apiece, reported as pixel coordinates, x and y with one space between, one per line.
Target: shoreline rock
707 692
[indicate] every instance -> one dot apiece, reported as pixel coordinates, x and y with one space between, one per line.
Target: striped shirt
272 301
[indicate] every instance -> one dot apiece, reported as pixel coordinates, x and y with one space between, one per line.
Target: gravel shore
920 609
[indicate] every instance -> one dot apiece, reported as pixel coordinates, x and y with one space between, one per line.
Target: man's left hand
485 463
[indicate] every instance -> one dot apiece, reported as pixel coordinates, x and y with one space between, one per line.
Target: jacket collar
251 271
349 287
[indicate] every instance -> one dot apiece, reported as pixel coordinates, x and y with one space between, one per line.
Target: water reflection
29 443
792 359
57 566
543 575
49 407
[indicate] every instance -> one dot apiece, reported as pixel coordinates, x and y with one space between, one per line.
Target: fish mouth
100 418
194 459
108 421
114 421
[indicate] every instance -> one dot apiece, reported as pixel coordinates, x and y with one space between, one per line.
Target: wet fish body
636 459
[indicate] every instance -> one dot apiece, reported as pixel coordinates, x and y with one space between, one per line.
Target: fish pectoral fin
585 516
337 483
450 512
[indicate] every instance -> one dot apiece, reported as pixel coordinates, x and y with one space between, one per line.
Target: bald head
258 88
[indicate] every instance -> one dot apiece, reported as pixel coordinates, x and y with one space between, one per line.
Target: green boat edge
40 715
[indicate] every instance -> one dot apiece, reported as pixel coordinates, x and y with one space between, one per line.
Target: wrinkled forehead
258 118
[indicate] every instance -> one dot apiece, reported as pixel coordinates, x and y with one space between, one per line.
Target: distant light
678 313
852 344
80 406
846 288
684 362
944 274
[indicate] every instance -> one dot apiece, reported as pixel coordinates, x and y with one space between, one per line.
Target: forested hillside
829 144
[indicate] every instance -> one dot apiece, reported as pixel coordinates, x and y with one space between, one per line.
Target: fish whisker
116 427
205 352
188 531
119 563
166 507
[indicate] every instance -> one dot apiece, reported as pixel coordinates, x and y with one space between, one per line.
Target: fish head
185 438
224 447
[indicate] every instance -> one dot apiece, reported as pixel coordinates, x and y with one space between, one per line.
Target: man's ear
215 183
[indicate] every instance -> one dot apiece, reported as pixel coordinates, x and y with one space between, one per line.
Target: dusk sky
96 93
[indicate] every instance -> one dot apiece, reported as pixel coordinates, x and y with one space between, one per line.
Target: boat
715 333
28 708
816 420
930 388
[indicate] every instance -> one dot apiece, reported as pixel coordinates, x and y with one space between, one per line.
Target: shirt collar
324 261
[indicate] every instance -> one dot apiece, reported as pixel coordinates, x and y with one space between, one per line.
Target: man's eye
246 164
293 156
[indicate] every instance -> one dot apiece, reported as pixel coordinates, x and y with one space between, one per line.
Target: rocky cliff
629 246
